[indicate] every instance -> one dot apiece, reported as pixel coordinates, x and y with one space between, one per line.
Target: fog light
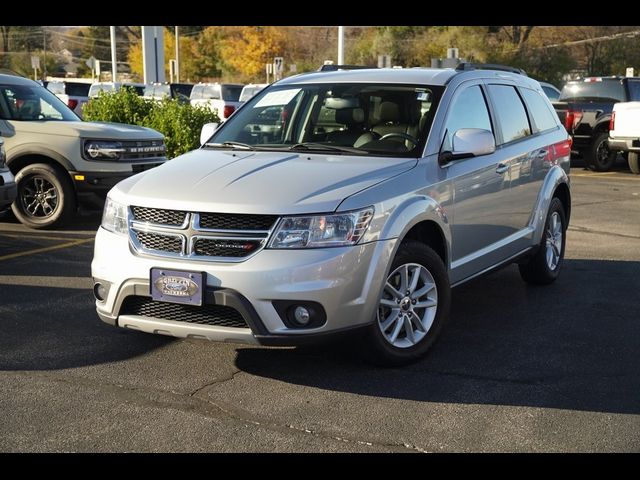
100 292
302 316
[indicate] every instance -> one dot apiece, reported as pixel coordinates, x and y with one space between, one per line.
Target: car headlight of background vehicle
114 217
102 150
318 231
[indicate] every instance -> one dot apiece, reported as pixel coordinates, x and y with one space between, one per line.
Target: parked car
222 98
624 132
358 213
114 87
550 91
585 107
158 91
250 90
8 189
60 161
73 93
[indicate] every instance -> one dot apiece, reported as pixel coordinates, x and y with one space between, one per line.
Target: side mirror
469 142
208 129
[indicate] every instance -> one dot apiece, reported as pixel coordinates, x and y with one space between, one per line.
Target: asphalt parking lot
517 369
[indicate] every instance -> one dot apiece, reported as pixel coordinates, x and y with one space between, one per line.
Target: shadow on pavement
572 345
55 328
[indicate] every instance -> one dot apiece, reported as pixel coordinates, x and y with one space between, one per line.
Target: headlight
317 231
114 217
102 150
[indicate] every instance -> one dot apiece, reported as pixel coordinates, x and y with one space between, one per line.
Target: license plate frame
177 286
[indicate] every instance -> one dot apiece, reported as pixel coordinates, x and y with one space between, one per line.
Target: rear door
519 153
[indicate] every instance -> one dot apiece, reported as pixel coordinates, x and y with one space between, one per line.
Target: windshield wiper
324 146
244 146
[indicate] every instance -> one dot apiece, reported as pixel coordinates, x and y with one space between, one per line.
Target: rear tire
600 157
634 164
45 198
544 266
417 318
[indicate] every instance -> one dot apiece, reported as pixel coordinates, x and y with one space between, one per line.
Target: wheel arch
556 183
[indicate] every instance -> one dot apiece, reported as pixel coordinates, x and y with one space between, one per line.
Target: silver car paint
486 218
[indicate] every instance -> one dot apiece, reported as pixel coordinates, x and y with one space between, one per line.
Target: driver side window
468 110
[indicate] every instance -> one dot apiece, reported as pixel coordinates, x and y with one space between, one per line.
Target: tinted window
231 93
77 89
469 110
543 117
634 90
605 90
32 103
551 93
181 89
512 117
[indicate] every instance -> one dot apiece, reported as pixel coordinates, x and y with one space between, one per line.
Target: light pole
340 45
114 67
177 55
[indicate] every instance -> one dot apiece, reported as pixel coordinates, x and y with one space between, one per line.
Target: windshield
157 91
29 103
594 91
381 119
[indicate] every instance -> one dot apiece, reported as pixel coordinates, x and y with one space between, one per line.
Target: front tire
412 309
634 165
544 266
601 158
45 197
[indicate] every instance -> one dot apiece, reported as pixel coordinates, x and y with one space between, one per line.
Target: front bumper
346 281
624 144
8 189
99 183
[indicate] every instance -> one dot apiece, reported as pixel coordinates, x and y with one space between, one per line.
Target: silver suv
344 201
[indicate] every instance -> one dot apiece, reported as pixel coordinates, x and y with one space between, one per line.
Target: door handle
502 168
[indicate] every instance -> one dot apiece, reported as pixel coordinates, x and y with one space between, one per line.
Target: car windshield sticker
281 97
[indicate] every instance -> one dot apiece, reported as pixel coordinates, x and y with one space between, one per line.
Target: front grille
158 215
217 315
225 248
162 243
227 221
225 237
137 150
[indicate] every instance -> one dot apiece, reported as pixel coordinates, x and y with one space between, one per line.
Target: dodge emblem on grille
176 286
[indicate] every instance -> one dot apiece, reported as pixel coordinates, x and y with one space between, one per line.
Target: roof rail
465 66
332 68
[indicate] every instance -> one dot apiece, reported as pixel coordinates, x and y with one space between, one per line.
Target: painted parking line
33 236
46 249
80 283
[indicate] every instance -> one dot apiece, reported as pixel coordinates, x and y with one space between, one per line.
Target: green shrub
180 123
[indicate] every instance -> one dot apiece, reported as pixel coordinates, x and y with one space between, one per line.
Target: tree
245 50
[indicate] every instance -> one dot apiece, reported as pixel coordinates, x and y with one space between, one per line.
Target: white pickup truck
624 132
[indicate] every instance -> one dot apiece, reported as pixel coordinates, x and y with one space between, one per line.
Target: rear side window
543 117
512 116
469 110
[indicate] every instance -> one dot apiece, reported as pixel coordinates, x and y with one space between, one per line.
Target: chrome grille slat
158 232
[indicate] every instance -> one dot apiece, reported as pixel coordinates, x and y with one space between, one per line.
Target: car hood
257 182
96 130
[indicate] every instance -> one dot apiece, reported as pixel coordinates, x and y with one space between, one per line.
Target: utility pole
114 66
177 55
340 45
